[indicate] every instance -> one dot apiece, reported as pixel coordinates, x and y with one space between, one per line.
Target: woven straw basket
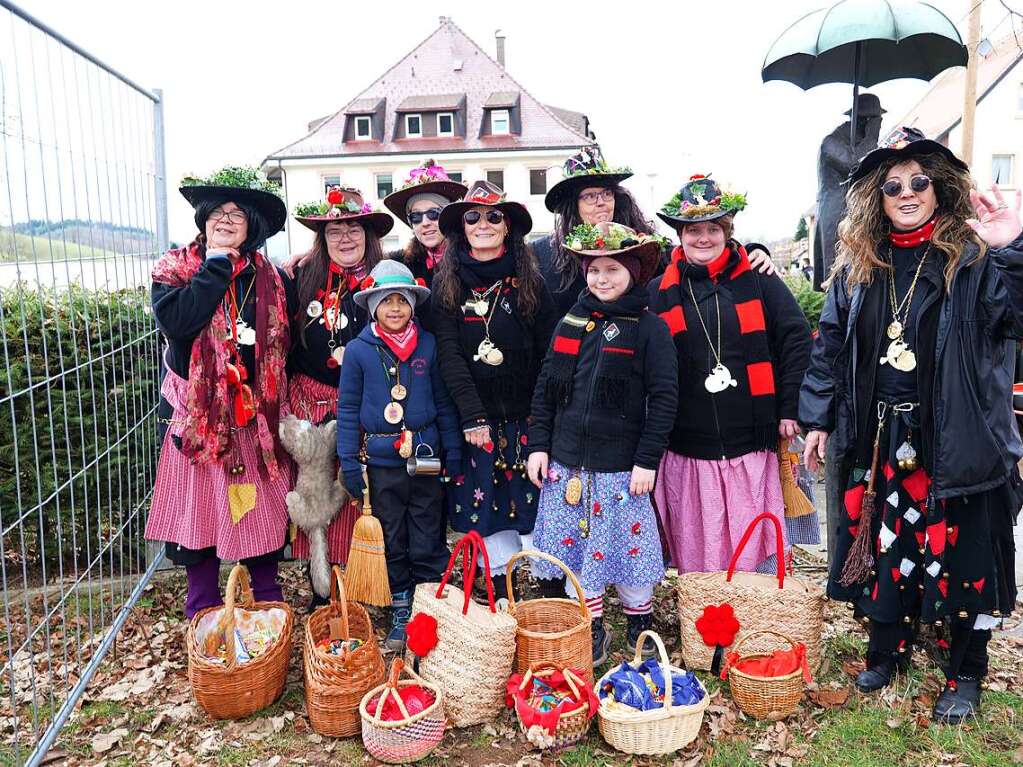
335 684
405 740
573 725
234 690
765 697
788 605
475 647
659 730
551 630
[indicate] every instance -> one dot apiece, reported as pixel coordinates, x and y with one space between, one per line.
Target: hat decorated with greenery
617 241
240 184
586 167
700 199
902 144
343 204
428 178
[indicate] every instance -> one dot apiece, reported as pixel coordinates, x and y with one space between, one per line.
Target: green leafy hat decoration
617 241
239 184
587 167
343 204
700 199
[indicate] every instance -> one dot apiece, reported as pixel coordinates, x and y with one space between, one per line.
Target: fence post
160 159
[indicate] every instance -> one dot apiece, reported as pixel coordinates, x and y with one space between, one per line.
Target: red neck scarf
715 267
914 237
434 255
206 437
402 343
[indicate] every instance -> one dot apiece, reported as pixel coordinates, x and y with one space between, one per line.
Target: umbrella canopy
894 39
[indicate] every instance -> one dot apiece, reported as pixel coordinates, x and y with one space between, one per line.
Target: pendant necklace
487 352
720 377
479 304
329 313
237 328
394 411
898 354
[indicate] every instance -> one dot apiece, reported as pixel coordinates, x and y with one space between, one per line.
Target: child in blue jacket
393 405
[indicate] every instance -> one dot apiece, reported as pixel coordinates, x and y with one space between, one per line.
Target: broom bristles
795 500
366 574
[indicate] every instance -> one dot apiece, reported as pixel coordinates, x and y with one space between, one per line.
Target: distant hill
26 247
72 238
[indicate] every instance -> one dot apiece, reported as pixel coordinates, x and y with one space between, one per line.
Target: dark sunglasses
893 186
416 217
472 217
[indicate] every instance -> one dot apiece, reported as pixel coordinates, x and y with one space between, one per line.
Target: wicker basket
761 697
475 649
573 725
233 690
657 731
335 684
405 740
551 630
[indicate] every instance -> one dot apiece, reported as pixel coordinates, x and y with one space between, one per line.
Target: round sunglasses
893 186
472 217
416 217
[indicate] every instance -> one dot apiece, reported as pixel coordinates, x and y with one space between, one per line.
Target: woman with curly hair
911 380
493 319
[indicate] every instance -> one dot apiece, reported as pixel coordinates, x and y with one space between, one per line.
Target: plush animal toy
318 495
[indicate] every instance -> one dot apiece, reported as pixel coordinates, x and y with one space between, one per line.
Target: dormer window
445 124
500 122
413 126
363 127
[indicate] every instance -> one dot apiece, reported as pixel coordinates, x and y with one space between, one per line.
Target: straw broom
366 574
796 502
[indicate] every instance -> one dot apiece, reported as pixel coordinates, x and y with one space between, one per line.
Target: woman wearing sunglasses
418 203
493 318
911 382
345 250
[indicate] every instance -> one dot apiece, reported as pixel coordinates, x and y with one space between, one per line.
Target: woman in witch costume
604 404
493 318
419 203
742 344
591 192
346 248
911 378
223 308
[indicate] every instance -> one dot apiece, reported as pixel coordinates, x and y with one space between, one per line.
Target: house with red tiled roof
998 130
448 100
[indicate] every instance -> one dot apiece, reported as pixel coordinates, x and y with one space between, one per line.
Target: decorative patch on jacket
611 332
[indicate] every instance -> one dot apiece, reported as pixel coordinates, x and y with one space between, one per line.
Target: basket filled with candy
650 707
554 706
342 662
238 654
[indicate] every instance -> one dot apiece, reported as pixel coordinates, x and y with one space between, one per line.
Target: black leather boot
637 625
959 701
881 669
601 642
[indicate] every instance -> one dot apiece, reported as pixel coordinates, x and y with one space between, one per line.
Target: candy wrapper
540 702
255 631
643 688
339 646
416 699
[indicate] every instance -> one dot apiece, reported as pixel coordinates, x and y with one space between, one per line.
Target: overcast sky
671 89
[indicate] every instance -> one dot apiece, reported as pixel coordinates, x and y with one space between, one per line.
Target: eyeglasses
231 216
352 232
604 195
893 186
416 217
472 217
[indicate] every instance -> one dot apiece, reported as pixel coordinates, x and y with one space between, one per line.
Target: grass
25 247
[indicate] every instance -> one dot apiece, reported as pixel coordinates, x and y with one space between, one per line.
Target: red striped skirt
314 401
190 501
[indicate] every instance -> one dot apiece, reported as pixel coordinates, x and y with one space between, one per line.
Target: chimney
443 20
499 37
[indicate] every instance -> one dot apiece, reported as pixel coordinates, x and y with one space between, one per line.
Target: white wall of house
304 182
998 133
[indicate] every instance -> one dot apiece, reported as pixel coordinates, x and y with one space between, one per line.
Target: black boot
317 600
881 669
637 625
601 642
552 588
479 592
959 701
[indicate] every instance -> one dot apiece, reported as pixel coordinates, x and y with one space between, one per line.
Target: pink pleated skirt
314 401
705 507
190 501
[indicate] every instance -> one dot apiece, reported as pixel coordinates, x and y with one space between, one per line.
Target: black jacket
564 298
976 444
472 384
582 434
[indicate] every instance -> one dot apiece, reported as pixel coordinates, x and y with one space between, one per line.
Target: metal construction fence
82 215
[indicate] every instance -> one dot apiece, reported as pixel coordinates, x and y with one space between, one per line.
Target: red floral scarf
206 436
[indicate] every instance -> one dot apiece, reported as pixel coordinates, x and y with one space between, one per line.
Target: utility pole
970 91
